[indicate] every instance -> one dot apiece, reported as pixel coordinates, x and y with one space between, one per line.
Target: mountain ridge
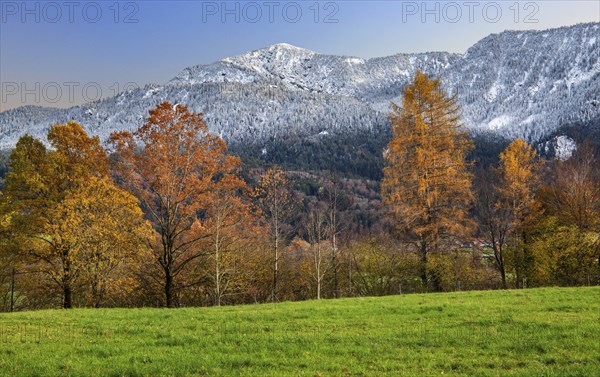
512 84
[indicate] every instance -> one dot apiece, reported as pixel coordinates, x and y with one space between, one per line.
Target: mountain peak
287 46
279 49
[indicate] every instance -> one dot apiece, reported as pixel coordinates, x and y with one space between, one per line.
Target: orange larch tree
427 183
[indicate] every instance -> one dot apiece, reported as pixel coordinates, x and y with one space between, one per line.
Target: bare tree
276 202
317 230
494 220
334 201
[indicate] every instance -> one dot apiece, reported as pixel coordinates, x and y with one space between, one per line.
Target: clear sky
62 53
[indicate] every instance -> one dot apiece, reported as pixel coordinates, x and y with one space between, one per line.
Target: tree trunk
524 262
167 265
319 272
517 262
96 284
67 291
336 281
499 256
12 291
96 295
217 274
350 281
318 289
67 297
424 264
275 277
276 263
168 288
217 285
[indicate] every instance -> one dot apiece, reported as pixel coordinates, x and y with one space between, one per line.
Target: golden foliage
66 209
519 179
427 183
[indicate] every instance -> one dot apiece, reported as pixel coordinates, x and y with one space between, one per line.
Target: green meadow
533 332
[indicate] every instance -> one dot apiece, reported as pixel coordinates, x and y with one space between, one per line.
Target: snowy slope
528 84
298 69
513 84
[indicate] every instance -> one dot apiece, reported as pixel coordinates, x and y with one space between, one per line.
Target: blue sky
51 49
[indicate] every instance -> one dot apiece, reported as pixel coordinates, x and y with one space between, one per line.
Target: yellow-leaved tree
519 180
111 239
427 182
65 209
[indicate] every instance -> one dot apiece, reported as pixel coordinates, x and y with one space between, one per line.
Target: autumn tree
276 202
171 164
38 183
316 232
9 250
574 191
427 183
566 243
112 238
335 202
561 254
14 230
517 187
54 207
495 220
231 227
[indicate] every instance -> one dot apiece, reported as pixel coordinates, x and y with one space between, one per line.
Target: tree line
166 216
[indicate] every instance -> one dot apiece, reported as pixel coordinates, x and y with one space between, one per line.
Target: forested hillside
167 215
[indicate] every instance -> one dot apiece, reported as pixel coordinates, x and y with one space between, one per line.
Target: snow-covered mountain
525 84
298 69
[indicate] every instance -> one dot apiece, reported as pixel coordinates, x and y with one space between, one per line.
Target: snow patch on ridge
564 147
499 122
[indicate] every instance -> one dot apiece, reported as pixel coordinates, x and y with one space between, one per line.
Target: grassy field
534 332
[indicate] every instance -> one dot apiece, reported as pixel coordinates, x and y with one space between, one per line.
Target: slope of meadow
541 332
